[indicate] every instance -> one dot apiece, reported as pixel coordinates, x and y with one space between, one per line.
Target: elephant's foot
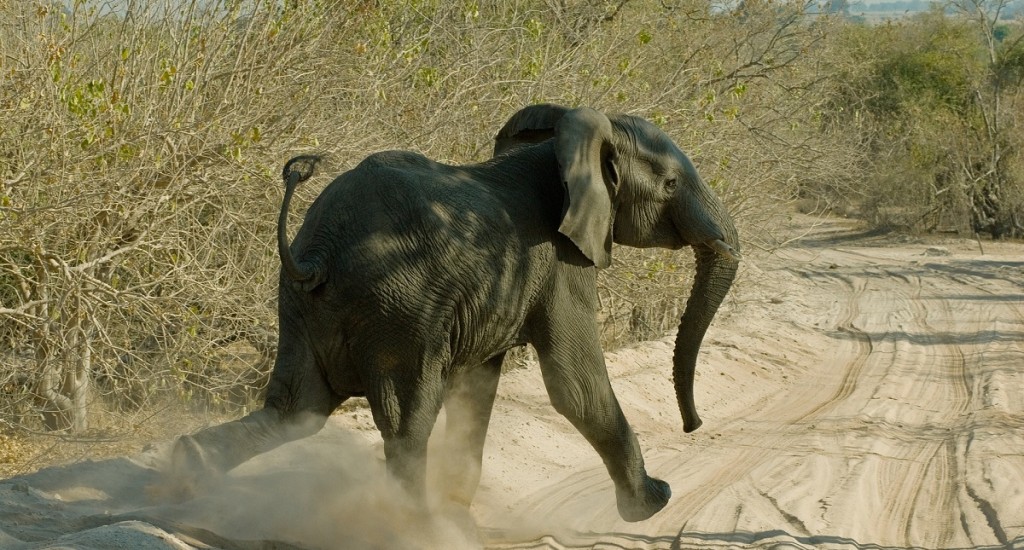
653 497
185 474
192 467
458 517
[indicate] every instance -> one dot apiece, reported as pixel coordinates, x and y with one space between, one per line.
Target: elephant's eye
670 185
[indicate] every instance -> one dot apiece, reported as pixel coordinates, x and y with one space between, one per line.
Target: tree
995 197
933 101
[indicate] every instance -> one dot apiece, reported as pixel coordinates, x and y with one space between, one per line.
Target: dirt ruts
895 416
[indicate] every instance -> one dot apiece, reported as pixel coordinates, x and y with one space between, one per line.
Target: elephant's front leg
576 379
580 391
467 405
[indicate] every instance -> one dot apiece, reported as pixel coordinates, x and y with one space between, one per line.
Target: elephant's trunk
717 262
296 171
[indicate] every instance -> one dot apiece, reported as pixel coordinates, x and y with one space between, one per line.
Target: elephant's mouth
724 249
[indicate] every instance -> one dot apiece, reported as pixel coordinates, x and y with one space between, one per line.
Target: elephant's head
627 182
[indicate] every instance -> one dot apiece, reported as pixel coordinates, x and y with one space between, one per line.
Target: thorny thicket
142 141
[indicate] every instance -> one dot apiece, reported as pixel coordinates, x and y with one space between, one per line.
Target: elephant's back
427 248
401 205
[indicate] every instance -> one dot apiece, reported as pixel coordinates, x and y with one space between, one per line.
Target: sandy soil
857 392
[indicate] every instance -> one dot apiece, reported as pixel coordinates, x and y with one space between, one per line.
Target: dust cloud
327 491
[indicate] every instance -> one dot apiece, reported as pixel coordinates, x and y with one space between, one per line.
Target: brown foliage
140 152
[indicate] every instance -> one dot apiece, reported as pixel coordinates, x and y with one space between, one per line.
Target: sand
857 392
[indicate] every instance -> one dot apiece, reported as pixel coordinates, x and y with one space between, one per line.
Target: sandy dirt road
857 392
878 401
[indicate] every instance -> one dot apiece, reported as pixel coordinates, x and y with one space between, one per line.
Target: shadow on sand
775 539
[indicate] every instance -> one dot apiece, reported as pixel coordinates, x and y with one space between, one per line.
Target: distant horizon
1012 10
870 2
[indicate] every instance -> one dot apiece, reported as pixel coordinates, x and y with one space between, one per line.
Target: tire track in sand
907 433
725 465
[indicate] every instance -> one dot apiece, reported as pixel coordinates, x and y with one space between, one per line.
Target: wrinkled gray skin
410 279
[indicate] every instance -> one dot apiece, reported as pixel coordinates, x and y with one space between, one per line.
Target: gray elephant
410 279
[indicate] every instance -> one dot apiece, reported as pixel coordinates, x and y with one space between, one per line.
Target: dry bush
141 145
137 156
934 103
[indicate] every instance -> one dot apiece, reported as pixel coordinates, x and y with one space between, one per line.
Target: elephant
409 280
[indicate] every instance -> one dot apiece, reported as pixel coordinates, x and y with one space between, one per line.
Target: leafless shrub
136 155
142 140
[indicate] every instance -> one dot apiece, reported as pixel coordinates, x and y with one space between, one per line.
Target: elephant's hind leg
298 403
405 396
208 453
467 405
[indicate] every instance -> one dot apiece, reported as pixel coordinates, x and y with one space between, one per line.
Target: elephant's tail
301 168
306 274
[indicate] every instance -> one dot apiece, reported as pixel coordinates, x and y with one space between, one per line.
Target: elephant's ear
586 160
531 124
